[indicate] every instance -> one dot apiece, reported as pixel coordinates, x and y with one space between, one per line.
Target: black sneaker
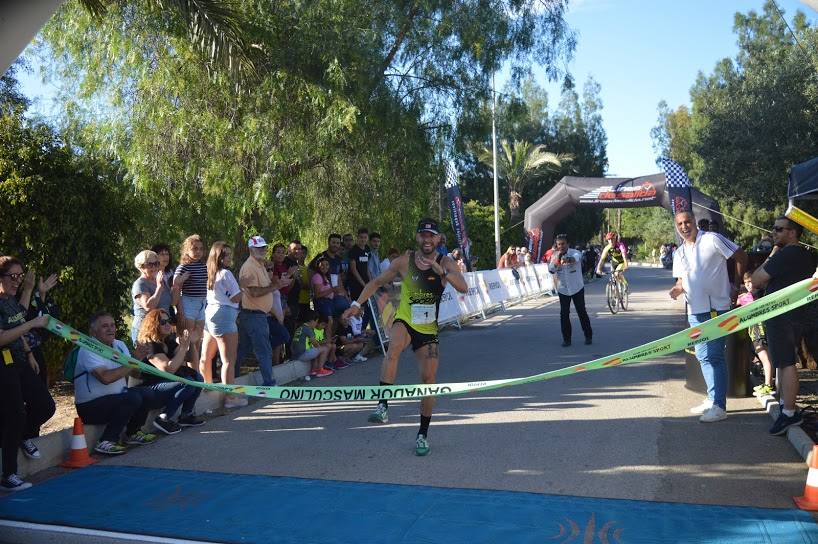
167 426
566 343
30 449
784 422
588 341
190 420
12 482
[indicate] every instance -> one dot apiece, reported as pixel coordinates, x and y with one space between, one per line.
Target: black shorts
418 338
783 337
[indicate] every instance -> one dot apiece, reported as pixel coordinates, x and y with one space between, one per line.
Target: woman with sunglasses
157 338
15 355
150 290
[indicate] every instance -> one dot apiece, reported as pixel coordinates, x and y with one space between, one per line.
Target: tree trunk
514 205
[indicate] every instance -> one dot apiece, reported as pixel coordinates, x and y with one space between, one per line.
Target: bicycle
616 294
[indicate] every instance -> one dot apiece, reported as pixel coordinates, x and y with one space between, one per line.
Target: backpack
69 366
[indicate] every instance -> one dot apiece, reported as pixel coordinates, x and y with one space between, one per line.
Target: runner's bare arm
396 267
453 274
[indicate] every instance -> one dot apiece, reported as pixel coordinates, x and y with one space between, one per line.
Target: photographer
565 263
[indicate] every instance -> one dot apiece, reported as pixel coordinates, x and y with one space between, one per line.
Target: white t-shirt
570 274
224 288
88 387
703 270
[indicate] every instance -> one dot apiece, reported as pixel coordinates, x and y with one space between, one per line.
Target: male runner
424 274
618 252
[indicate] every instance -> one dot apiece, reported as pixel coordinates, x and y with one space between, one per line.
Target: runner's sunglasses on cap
428 225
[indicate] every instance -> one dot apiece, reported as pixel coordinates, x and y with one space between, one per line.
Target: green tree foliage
63 213
752 119
573 128
335 131
480 219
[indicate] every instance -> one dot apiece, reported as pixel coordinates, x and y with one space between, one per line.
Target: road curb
796 435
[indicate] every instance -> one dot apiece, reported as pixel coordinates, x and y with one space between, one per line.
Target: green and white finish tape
765 308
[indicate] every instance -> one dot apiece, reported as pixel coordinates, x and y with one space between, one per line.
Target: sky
640 52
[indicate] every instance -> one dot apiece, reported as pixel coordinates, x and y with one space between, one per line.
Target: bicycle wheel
612 297
623 297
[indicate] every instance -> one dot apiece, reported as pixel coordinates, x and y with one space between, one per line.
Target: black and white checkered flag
451 175
675 174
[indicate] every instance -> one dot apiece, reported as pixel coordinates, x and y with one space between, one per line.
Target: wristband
355 303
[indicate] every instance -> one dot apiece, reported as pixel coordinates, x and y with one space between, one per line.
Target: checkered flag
451 175
675 174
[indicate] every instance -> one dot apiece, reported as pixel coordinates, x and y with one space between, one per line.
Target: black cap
428 225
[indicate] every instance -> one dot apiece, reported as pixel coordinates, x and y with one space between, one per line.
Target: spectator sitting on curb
157 338
102 395
324 337
306 348
349 344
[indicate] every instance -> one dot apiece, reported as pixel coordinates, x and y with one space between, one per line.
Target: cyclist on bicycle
618 252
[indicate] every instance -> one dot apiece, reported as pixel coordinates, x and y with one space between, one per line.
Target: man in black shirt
359 256
788 263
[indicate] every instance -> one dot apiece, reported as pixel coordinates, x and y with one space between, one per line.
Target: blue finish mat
266 509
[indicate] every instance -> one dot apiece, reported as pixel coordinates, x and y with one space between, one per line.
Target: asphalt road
620 433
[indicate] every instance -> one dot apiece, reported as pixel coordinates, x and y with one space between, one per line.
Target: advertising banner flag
458 213
678 186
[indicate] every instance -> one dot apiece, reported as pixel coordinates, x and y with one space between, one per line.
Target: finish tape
740 318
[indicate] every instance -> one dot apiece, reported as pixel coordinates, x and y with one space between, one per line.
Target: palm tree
519 163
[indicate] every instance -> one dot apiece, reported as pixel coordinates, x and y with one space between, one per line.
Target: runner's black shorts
418 338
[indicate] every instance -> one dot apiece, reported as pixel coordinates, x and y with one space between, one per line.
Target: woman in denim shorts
221 331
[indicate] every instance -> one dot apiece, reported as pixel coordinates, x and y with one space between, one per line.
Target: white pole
494 167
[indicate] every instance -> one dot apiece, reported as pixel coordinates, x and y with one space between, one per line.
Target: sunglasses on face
164 321
151 263
779 229
15 277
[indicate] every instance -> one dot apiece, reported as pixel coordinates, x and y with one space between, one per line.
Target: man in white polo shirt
566 264
700 266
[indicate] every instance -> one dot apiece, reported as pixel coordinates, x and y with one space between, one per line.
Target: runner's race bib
423 314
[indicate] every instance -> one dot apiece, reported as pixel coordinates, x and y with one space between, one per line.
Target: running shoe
313 373
107 447
380 415
12 482
323 373
166 425
763 390
140 438
190 420
784 422
341 364
422 446
30 449
359 359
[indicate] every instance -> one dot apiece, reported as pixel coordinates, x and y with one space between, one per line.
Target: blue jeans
171 395
254 336
714 366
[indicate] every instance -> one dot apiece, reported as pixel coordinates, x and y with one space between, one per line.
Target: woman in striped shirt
190 293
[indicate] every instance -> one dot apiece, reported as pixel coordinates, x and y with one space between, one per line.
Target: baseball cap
256 241
428 225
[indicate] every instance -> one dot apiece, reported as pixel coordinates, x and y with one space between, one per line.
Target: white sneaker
235 401
713 414
359 358
702 408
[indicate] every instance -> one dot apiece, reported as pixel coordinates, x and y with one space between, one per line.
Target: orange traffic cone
79 457
810 499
